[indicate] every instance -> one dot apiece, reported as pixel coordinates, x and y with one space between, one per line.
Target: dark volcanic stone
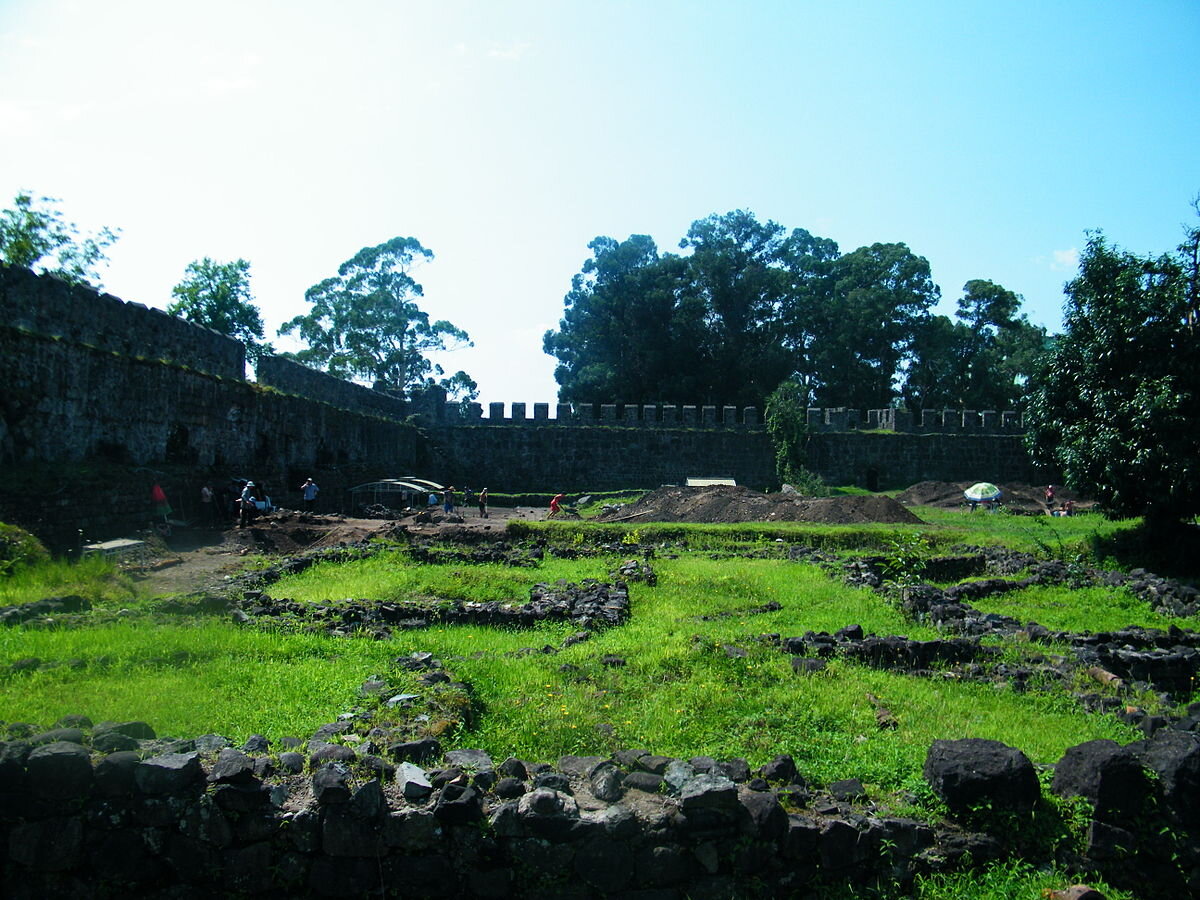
114 741
1105 773
509 788
643 781
61 770
973 772
139 730
115 774
169 773
604 863
459 805
331 783
232 767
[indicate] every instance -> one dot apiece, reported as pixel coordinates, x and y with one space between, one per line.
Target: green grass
392 576
93 577
1092 609
681 696
186 680
1041 535
681 693
1012 880
701 675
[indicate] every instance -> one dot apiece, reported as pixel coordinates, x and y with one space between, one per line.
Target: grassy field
699 676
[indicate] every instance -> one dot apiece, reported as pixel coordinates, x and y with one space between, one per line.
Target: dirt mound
949 495
725 503
285 532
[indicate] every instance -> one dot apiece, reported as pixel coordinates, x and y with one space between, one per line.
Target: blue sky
506 135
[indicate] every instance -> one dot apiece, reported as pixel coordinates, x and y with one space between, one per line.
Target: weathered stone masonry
87 376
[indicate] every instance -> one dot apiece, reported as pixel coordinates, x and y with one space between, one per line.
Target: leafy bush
19 548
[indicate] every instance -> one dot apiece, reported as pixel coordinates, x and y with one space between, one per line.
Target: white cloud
509 52
17 120
1065 259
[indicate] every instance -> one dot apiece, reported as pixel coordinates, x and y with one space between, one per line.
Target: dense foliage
34 235
750 305
787 423
364 323
217 295
1117 400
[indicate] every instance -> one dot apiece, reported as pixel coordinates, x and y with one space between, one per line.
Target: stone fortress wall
88 376
48 306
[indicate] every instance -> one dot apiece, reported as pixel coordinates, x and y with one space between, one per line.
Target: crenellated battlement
617 415
671 415
903 421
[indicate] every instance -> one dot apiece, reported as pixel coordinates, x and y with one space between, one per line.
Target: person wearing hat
308 491
246 508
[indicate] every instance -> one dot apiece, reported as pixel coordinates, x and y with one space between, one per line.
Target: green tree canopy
750 305
981 361
365 324
34 235
218 296
1115 402
625 333
867 324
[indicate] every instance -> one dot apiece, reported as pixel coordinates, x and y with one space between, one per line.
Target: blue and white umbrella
982 491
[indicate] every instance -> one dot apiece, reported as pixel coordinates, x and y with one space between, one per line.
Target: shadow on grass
1172 550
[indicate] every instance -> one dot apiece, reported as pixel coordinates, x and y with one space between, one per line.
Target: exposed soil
198 558
726 503
1023 497
195 559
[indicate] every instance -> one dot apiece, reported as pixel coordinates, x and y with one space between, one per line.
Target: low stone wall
112 811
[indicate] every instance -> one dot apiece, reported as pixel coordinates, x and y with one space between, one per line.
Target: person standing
483 502
246 507
308 491
448 500
161 508
208 505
